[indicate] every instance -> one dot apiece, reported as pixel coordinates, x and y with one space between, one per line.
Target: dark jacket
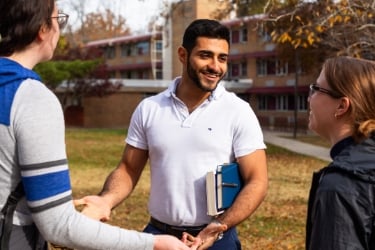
341 207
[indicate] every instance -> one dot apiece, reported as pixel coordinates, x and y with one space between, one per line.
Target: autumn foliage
326 27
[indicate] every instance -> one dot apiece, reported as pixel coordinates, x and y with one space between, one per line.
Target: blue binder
222 187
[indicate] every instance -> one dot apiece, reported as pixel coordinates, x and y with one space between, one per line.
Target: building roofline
241 20
121 39
144 37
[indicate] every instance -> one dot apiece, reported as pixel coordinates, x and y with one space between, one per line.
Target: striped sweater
32 149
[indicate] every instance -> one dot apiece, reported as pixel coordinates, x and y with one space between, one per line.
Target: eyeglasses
62 19
314 87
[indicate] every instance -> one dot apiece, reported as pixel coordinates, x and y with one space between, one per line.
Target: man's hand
94 207
167 242
206 237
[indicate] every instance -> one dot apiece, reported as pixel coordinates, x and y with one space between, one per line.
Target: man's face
207 62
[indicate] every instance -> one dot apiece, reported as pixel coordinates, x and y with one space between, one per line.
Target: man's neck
192 96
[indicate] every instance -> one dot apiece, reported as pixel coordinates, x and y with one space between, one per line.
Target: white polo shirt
183 147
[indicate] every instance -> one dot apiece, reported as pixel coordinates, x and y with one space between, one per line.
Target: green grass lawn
277 224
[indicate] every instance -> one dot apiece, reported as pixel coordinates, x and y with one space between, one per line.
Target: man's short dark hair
204 28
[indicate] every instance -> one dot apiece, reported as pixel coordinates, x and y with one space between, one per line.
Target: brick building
147 63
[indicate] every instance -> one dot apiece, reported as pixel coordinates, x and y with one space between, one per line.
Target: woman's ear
343 106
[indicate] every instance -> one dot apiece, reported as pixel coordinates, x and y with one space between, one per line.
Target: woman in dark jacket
341 208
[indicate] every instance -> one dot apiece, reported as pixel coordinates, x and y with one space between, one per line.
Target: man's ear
182 54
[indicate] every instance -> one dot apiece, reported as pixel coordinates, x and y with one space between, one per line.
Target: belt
176 230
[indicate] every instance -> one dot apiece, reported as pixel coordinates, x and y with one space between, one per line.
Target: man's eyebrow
211 52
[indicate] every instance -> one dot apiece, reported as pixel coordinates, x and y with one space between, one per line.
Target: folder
222 187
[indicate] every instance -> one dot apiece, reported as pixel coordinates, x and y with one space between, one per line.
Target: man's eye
204 55
223 58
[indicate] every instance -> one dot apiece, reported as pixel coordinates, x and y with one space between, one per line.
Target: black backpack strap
7 212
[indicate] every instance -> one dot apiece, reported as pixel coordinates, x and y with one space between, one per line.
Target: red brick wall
112 111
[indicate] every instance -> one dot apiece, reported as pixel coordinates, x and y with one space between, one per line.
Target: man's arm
118 185
253 168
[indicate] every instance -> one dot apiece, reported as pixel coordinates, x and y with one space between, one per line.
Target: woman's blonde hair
355 79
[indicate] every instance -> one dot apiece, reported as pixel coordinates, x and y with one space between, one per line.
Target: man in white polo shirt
36 202
185 131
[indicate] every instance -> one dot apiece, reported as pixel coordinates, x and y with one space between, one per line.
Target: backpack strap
7 212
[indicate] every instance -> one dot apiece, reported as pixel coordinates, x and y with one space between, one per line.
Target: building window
265 67
244 69
238 35
159 75
266 102
235 36
124 74
125 50
141 75
281 102
159 45
263 33
158 71
129 49
281 68
110 52
237 70
271 66
244 35
262 102
143 48
302 102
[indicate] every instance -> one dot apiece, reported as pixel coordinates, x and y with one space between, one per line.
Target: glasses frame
62 19
314 87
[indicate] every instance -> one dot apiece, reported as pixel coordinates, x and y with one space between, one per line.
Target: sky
136 12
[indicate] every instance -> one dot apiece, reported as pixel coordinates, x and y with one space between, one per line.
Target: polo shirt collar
219 91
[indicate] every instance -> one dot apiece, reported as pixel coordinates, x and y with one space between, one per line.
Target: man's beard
192 73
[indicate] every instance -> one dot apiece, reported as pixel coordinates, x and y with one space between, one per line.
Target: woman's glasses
62 19
314 87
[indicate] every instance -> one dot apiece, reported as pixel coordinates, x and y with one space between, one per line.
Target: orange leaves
285 38
302 37
338 19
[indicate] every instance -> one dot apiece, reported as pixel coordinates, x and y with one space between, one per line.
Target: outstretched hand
167 242
94 207
206 237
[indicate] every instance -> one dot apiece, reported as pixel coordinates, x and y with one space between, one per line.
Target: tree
76 79
81 72
86 28
309 32
78 72
343 27
107 23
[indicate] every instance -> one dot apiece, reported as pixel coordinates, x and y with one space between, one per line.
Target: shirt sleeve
136 134
248 135
40 133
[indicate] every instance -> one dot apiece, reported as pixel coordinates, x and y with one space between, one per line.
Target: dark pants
230 240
